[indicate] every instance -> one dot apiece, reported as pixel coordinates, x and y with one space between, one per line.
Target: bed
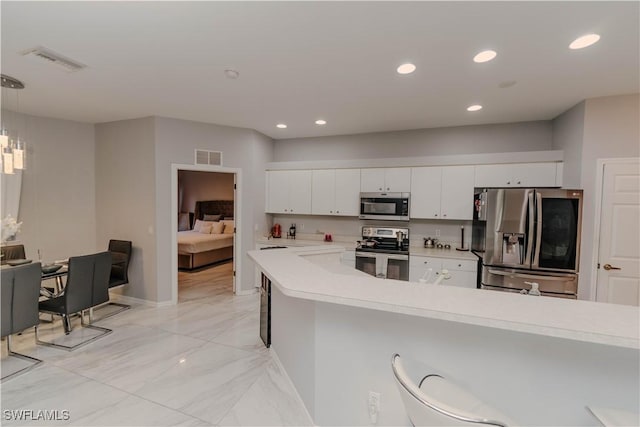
196 249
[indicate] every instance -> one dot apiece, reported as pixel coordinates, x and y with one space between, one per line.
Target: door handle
610 267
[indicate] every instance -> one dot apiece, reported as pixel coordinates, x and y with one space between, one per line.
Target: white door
323 191
277 191
456 201
426 184
372 180
300 192
347 192
618 277
397 180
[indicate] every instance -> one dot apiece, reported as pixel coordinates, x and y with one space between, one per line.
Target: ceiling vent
43 54
204 157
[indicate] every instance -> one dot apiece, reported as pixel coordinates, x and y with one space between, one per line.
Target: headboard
213 207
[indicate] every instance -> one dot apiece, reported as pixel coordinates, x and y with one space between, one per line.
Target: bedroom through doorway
205 234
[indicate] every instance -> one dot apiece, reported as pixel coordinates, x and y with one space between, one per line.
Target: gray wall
497 138
175 142
196 186
611 130
125 197
568 134
57 204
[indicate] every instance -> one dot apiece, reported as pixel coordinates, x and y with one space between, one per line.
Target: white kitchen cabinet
348 258
385 179
289 192
463 272
335 192
517 175
442 192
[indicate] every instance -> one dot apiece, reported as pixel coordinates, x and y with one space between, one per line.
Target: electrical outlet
374 406
437 233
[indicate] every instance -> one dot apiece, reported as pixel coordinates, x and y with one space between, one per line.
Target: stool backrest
20 293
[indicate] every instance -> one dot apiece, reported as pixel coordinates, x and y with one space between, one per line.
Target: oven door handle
530 276
398 257
365 255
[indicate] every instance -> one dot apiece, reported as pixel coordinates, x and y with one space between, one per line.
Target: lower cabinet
348 258
463 272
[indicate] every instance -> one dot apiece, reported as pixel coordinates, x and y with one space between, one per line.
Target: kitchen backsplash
449 230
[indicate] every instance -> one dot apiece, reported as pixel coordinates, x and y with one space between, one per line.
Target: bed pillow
211 217
228 226
199 223
217 228
205 229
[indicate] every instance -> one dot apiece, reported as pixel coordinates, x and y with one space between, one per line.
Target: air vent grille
205 157
47 55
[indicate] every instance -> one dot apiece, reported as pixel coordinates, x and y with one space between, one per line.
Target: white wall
175 142
125 197
568 135
611 130
57 204
495 138
196 186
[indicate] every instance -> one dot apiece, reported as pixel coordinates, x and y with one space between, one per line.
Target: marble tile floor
198 363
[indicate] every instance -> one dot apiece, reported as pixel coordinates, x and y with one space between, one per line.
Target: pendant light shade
13 149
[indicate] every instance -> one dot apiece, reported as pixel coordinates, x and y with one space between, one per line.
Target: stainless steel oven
384 252
385 206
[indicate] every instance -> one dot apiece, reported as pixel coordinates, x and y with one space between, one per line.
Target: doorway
617 268
204 256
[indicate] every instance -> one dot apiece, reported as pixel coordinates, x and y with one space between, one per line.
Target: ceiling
301 61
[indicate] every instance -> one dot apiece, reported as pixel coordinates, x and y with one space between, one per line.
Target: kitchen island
539 359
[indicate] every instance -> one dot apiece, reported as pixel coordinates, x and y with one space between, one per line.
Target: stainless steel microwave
384 206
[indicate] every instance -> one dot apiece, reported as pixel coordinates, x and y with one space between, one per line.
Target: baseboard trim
276 359
139 301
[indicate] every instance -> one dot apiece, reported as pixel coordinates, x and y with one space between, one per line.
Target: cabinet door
493 176
426 184
323 188
456 201
299 192
278 191
397 180
462 279
372 180
347 192
418 266
535 175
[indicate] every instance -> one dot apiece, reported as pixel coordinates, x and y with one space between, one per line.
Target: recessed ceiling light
485 56
321 122
231 73
407 68
475 107
281 126
584 41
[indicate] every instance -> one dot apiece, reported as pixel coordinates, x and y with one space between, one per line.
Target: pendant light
13 149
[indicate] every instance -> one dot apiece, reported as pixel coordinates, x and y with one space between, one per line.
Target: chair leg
123 307
10 353
67 324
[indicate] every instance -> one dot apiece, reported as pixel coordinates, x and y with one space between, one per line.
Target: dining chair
436 401
120 251
20 292
87 287
10 252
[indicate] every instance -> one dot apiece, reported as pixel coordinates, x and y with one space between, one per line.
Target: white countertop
586 321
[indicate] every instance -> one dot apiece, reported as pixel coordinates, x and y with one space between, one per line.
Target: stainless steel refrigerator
526 236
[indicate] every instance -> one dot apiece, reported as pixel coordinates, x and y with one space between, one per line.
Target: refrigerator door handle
531 207
529 276
536 257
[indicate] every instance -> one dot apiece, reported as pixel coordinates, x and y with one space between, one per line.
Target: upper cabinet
519 175
385 179
442 192
289 191
335 192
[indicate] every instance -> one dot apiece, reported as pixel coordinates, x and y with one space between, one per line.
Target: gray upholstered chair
20 293
120 257
87 287
11 252
436 401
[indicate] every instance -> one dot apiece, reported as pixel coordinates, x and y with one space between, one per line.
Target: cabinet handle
435 215
387 188
444 214
330 211
290 210
508 182
459 265
518 182
380 188
426 262
337 211
285 210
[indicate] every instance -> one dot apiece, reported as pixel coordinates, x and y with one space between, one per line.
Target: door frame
600 165
237 240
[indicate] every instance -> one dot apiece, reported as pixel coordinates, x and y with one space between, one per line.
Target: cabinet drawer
459 265
426 261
